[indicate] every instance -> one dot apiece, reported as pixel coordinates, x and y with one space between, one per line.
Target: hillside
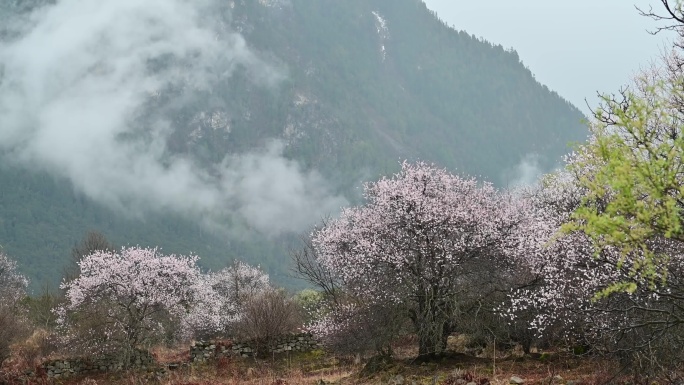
260 118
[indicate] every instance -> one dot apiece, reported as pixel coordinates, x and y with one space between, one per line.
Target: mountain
226 128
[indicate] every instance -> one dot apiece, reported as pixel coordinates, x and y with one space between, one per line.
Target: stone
471 383
515 380
397 380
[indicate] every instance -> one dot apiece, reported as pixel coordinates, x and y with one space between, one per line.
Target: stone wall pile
208 350
78 366
296 342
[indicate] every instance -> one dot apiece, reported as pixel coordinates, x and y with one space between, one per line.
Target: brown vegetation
317 367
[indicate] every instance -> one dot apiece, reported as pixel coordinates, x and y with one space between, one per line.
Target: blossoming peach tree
12 283
222 308
423 239
572 297
131 298
12 291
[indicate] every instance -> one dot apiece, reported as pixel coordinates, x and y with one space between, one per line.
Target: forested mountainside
335 92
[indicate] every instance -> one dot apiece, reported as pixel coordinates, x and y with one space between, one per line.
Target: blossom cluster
12 283
135 296
423 235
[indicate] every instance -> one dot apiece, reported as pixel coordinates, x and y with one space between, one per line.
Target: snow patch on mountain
383 33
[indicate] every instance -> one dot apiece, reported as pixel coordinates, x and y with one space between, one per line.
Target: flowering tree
120 299
569 297
12 289
12 283
229 290
238 282
423 238
637 171
631 172
564 274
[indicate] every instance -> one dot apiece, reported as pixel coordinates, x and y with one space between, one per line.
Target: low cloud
525 173
78 75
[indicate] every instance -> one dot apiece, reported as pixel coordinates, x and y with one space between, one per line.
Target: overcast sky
575 47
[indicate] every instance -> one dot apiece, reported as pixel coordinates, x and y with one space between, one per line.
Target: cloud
525 173
75 81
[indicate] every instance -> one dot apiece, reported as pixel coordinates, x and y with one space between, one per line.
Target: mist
526 173
75 80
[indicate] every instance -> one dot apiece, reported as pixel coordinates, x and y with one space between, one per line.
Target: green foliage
633 172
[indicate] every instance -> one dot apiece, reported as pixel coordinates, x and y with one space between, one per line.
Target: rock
557 379
397 380
515 380
471 383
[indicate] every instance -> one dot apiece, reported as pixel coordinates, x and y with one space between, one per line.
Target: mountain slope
345 88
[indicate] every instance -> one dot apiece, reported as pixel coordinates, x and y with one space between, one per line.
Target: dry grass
312 368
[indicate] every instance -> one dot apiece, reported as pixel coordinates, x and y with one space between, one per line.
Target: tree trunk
432 336
426 345
447 329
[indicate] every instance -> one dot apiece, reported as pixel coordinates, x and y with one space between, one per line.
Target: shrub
267 315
